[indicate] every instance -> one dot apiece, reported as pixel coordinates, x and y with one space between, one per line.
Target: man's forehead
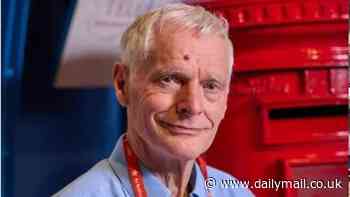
170 33
185 45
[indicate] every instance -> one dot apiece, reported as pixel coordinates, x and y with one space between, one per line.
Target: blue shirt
109 178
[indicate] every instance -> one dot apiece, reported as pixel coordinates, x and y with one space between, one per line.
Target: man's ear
120 81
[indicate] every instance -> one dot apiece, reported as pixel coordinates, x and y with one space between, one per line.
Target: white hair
136 41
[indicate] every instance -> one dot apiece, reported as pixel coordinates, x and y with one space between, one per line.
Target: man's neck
173 173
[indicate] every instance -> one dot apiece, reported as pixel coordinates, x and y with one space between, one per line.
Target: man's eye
168 80
211 86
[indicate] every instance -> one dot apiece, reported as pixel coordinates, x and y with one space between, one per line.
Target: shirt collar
197 182
153 185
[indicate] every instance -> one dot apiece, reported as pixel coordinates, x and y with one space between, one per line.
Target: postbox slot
304 112
304 122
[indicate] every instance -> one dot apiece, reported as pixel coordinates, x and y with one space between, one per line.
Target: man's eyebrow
170 71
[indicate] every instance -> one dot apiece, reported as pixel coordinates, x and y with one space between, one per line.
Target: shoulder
225 184
100 180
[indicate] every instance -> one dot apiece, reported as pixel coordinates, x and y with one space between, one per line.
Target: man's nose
190 101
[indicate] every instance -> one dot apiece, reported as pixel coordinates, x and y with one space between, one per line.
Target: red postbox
287 113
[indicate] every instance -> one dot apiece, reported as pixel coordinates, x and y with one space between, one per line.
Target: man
174 81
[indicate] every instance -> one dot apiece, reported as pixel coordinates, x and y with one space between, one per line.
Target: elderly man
174 80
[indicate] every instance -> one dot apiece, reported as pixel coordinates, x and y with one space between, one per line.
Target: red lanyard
136 176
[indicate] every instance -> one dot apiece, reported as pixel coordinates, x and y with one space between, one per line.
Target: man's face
175 103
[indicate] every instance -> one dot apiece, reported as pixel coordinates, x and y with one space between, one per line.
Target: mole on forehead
186 57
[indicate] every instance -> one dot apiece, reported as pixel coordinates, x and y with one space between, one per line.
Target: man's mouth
178 129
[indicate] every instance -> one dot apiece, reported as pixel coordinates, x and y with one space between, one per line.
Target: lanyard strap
135 175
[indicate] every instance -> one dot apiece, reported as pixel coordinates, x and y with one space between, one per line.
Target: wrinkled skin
176 102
